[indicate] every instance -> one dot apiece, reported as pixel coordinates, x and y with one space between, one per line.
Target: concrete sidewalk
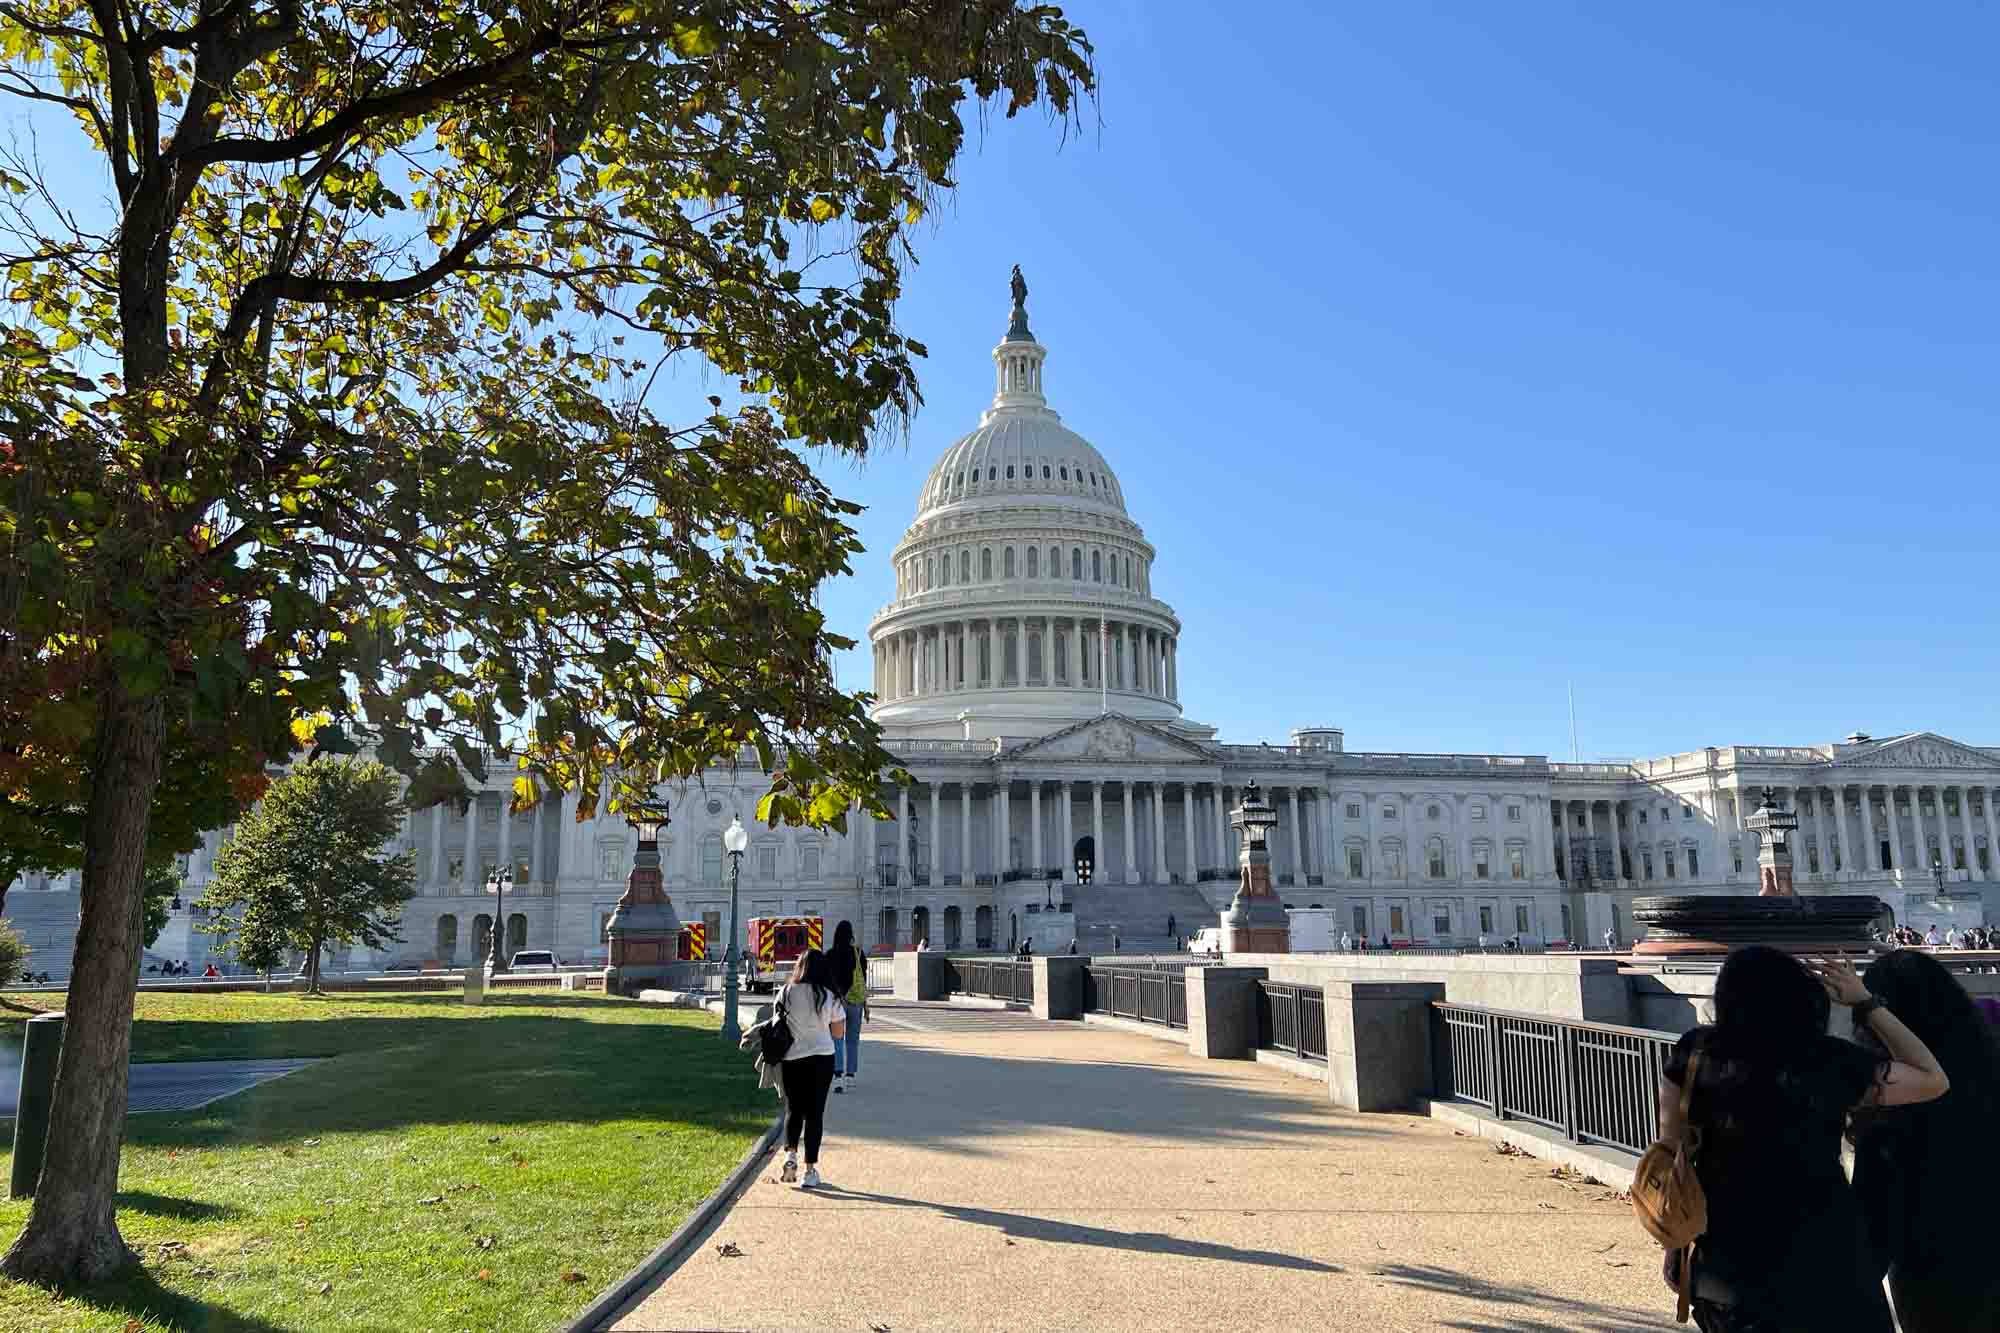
991 1172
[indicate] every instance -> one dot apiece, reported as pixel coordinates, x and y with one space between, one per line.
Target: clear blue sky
1450 353
1453 353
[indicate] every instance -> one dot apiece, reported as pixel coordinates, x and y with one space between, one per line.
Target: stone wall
1564 985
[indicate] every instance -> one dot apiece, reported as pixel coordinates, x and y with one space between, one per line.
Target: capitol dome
1023 588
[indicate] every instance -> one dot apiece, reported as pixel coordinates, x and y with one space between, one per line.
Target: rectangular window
1360 920
1355 867
1521 926
767 863
1441 922
1667 860
1646 859
1479 814
1396 922
1436 866
1388 812
809 863
1353 810
1513 814
1642 816
1694 863
1480 868
1485 920
1812 860
1517 864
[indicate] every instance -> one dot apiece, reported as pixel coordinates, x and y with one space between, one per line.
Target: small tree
13 954
306 868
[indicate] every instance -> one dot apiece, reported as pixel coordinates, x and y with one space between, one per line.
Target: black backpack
774 1036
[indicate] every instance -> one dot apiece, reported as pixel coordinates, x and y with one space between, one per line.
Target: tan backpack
1667 1194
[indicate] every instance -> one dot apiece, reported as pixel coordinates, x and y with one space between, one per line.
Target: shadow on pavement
1540 1310
1027 1227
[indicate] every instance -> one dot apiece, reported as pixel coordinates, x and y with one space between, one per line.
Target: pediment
1114 738
1923 750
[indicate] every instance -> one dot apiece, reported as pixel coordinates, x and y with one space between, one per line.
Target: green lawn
446 1168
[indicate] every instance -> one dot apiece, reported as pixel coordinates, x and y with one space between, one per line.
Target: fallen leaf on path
729 1250
1008 1239
133 1326
1617 1263
878 1328
1609 1248
1551 1207
1506 1149
485 1275
302 1224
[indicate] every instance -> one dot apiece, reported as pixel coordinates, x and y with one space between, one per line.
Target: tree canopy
309 868
344 406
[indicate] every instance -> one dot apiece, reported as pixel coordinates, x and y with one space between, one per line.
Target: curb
675 1247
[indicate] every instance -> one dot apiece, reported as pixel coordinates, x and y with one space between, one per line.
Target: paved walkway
993 1172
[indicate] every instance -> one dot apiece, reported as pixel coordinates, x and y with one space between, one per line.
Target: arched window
930 572
1097 566
986 564
959 481
1062 473
1045 472
1076 563
1034 562
965 566
993 474
1034 650
1010 472
944 570
1007 562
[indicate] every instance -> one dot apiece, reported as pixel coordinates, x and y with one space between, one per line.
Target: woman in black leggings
814 1012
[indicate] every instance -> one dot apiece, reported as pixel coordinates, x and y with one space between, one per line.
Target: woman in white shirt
814 1012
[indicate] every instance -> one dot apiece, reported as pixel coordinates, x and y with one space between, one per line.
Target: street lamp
735 841
497 884
1082 871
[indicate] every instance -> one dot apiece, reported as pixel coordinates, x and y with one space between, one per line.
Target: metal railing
1595 1083
881 974
1144 994
994 978
1292 1019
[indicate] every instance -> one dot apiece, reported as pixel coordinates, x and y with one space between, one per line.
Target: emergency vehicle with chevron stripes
773 943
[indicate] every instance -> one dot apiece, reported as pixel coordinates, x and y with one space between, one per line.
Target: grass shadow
183 1210
136 1294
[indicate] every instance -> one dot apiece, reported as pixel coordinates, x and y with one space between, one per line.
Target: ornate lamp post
1772 823
643 931
735 841
497 884
1256 920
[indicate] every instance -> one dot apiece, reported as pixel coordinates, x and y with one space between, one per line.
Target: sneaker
811 1182
791 1171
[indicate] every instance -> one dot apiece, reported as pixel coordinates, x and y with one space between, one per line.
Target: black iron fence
1292 1018
1593 1082
1147 994
994 978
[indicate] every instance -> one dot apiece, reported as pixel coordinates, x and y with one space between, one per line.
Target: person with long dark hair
847 964
1928 1228
1785 1250
814 1014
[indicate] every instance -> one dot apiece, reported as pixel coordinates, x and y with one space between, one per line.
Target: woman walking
813 1012
1785 1250
1928 1228
847 964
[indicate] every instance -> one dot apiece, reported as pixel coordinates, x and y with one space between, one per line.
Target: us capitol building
1026 673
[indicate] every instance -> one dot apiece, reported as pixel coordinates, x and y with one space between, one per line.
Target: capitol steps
1139 913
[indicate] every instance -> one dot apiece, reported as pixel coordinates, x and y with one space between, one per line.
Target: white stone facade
1026 675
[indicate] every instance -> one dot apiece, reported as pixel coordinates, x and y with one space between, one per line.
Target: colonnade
991 652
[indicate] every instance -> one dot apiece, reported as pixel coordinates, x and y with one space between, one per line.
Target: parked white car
533 960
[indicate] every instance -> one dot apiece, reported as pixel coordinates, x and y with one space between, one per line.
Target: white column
1221 829
1097 831
1187 833
966 874
1048 651
964 679
1462 813
1922 829
1992 834
1131 851
1068 835
1895 832
937 834
538 865
469 872
1298 848
902 835
1035 820
503 854
1971 840
437 848
1840 849
1159 833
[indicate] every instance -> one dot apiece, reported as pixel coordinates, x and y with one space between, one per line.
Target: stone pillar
966 680
1048 651
1378 1043
643 929
1003 850
1923 828
1159 833
1298 844
1035 828
1097 831
1222 1011
1059 986
1840 850
1462 812
937 839
1131 848
1971 839
469 872
902 836
1187 833
1068 834
1992 834
1895 834
967 874
437 848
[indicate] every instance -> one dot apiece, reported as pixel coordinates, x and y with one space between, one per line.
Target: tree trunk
313 988
72 1232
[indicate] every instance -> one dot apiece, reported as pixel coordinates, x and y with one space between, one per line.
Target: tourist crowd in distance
1790 1243
1972 937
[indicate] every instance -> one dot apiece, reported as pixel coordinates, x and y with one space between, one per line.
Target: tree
335 412
13 954
306 867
